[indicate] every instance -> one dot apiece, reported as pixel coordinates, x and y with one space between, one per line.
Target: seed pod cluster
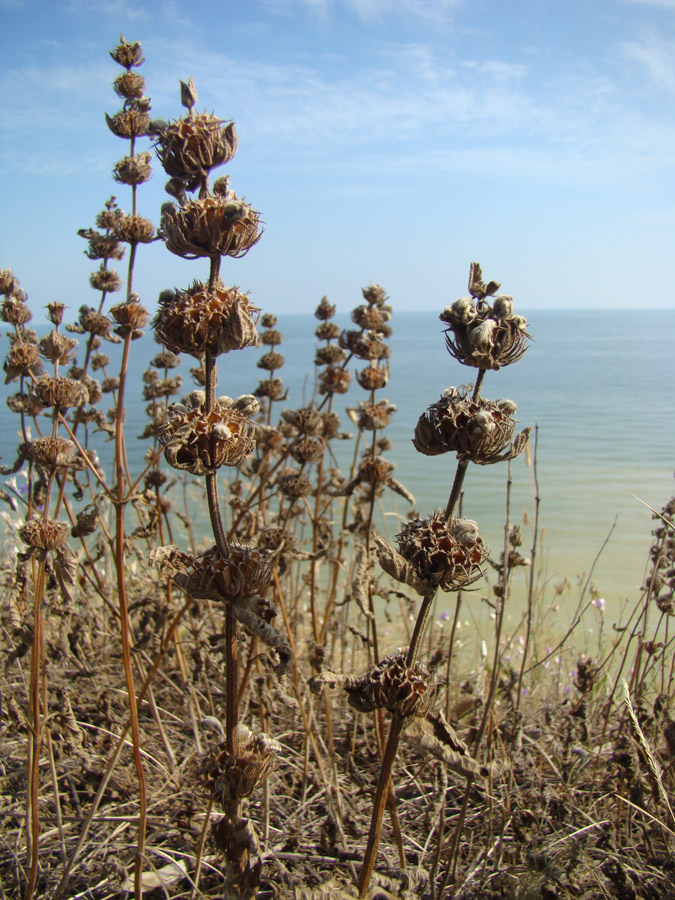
393 685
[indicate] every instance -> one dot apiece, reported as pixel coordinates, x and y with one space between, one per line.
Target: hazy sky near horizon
389 141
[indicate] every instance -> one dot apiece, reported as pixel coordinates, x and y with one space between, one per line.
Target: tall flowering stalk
207 432
440 550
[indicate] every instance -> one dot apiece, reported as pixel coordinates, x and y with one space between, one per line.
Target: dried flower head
330 355
306 420
334 380
131 318
106 280
373 416
373 377
370 318
133 169
14 311
243 574
307 449
130 122
129 85
448 553
211 226
55 312
23 359
87 522
44 534
128 54
478 430
193 145
328 331
52 452
364 344
216 319
229 778
9 283
201 442
135 230
325 310
374 295
392 684
271 361
60 393
272 388
480 335
293 484
58 348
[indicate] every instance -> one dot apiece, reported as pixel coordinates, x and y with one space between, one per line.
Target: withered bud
52 452
373 378
268 320
374 295
394 685
188 93
271 361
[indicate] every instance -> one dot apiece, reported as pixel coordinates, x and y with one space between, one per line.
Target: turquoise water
599 384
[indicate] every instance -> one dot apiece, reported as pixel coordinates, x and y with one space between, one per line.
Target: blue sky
382 140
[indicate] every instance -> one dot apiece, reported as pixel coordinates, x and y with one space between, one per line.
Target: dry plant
169 724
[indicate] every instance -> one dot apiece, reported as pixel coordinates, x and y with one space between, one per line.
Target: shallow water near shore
599 384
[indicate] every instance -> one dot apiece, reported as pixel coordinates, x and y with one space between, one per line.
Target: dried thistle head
272 389
211 226
364 344
194 144
308 448
306 420
44 534
478 430
94 322
271 361
370 318
375 295
55 311
216 319
392 684
480 335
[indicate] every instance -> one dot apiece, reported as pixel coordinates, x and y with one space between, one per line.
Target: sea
598 386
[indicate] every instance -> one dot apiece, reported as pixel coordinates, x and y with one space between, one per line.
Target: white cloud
657 4
656 55
372 10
